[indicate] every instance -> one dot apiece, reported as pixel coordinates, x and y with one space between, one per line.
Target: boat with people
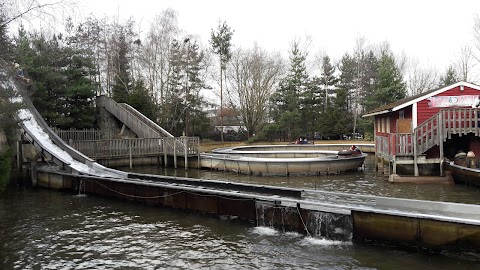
285 159
465 168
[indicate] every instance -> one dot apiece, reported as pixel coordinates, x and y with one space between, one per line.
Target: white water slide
50 145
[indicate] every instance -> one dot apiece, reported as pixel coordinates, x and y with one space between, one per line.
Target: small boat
465 170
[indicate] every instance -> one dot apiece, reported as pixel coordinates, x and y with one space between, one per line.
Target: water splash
261 230
309 241
81 189
330 226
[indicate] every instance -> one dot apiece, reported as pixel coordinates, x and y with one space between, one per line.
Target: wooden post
414 141
130 152
440 141
185 151
19 154
375 142
198 153
165 152
175 153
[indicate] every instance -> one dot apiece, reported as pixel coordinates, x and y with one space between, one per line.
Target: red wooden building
415 134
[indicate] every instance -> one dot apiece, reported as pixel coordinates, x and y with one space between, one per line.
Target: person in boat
460 158
20 74
354 148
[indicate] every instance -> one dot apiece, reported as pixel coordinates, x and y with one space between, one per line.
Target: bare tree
465 63
253 76
476 36
47 11
156 52
421 79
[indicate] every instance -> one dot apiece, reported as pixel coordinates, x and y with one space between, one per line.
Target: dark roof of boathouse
402 103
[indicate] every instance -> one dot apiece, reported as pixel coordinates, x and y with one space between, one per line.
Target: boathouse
415 135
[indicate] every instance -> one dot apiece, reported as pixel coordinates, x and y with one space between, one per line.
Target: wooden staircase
436 130
442 125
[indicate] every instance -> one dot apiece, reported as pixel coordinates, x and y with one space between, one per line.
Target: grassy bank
208 146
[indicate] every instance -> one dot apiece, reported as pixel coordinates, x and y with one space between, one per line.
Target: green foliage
221 43
142 100
122 79
5 168
183 107
290 103
62 90
450 77
390 86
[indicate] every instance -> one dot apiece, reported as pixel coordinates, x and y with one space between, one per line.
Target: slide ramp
47 142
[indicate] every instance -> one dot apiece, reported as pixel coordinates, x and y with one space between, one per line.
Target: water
44 229
366 182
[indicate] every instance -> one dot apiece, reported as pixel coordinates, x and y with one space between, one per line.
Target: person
476 102
354 148
20 74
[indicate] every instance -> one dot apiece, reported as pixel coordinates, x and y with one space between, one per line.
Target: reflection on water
42 229
367 182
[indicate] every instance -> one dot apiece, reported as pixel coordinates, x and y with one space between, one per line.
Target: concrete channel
393 221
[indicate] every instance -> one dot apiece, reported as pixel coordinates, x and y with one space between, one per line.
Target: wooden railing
427 134
460 121
82 134
404 146
114 148
431 132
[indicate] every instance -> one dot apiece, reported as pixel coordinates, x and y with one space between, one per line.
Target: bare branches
14 10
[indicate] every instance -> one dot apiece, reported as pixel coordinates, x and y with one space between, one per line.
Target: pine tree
141 99
221 44
183 103
122 80
390 87
287 100
449 78
327 80
60 73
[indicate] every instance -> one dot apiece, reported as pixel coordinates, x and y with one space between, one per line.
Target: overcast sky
432 31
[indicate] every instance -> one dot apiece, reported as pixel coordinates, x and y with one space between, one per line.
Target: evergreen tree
368 77
449 78
221 44
390 87
8 126
63 91
183 106
327 80
287 100
347 81
142 100
121 66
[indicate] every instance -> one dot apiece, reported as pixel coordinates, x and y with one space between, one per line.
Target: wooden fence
114 148
82 134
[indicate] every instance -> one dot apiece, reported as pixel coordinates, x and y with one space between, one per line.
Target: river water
44 229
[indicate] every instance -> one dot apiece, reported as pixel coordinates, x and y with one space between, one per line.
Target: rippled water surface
367 182
45 229
42 229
